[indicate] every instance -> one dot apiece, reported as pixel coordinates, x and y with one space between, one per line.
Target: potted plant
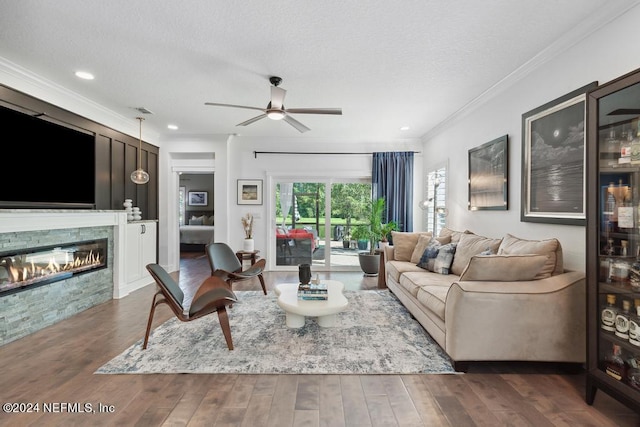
361 236
377 231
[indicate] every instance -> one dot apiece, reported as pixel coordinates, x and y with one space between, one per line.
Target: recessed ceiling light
405 128
84 75
172 127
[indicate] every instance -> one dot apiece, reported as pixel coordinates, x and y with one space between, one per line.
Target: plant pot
346 244
248 245
362 245
369 263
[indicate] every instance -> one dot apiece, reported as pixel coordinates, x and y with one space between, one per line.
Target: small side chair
226 265
212 296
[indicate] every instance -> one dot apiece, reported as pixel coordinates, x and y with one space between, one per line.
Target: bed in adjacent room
199 229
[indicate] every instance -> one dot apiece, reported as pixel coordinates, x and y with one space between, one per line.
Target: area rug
375 335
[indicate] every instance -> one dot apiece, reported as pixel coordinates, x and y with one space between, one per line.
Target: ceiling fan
275 109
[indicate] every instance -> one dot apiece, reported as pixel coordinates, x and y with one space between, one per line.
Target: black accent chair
212 296
226 265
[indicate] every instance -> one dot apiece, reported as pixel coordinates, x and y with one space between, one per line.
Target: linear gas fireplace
31 267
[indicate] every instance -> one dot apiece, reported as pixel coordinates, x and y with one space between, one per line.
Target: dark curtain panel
392 178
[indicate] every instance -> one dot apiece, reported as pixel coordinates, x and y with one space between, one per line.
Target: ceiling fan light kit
275 114
275 109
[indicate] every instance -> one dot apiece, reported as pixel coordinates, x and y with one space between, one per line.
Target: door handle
144 228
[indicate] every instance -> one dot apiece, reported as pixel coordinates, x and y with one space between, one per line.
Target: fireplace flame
35 271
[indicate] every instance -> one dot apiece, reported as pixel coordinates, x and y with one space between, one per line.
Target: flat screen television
45 164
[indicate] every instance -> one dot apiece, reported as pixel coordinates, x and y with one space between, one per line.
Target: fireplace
32 267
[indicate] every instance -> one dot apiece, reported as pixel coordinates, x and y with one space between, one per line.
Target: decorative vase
248 245
304 273
128 203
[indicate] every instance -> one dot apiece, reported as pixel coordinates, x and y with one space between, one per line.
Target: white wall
601 57
232 158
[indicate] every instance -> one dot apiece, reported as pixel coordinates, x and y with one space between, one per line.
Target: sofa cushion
512 245
437 257
421 245
470 245
394 269
414 281
454 236
433 297
404 243
504 268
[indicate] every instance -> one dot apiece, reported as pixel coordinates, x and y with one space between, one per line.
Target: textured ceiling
387 64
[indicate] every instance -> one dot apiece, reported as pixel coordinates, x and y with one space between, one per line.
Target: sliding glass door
314 222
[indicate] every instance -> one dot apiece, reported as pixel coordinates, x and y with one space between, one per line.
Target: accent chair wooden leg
264 288
151 313
223 317
229 282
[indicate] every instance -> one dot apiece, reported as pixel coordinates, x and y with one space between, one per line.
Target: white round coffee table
297 309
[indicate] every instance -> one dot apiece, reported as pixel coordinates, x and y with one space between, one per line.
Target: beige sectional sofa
506 299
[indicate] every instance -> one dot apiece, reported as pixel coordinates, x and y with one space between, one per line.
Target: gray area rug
375 335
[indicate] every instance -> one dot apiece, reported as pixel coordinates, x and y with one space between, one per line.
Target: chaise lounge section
485 299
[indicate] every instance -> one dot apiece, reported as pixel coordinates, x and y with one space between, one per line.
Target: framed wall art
249 191
553 160
198 198
488 175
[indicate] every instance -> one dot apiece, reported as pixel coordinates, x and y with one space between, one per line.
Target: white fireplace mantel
23 220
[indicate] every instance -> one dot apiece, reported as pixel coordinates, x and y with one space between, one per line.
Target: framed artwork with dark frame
553 160
198 198
249 191
488 175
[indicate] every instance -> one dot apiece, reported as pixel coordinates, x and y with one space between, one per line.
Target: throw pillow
512 245
504 268
453 235
437 257
423 242
429 255
470 245
196 221
445 258
404 243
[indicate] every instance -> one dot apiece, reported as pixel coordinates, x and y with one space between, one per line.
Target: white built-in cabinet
140 248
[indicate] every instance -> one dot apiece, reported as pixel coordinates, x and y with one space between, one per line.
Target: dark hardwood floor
55 367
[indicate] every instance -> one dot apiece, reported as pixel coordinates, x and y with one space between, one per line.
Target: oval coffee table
297 309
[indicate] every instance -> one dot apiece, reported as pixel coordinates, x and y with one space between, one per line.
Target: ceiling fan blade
624 111
215 104
296 124
277 97
255 119
336 111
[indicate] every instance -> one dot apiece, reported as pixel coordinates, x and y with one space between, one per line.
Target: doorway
196 215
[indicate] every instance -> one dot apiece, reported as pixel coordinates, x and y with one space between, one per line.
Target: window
435 202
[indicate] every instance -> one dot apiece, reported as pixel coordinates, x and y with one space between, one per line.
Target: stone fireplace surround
30 310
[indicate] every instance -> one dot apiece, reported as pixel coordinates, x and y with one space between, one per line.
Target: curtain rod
255 153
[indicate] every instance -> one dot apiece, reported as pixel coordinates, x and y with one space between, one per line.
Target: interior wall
244 164
601 57
198 182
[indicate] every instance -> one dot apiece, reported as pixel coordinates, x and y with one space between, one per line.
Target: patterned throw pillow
428 258
438 257
445 258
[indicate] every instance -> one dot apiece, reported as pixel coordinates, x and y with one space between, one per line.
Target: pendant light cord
140 119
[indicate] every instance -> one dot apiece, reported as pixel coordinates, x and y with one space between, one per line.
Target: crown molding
577 34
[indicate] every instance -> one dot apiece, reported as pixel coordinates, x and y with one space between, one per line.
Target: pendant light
139 176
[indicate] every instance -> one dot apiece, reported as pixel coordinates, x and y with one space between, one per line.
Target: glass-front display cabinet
613 240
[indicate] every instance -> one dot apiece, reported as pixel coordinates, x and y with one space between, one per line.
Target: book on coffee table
313 291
